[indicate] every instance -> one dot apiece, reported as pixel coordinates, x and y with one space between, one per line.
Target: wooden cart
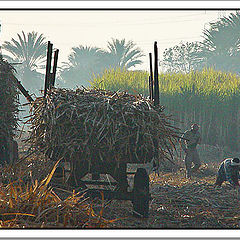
139 194
112 181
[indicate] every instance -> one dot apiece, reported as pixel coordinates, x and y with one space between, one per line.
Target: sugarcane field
138 135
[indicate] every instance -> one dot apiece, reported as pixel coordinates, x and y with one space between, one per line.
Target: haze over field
68 29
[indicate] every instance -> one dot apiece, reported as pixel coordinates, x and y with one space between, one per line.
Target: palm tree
123 54
220 47
82 63
29 50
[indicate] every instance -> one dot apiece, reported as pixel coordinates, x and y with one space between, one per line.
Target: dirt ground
177 202
181 203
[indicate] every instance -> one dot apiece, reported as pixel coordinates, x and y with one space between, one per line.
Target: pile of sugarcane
8 101
101 126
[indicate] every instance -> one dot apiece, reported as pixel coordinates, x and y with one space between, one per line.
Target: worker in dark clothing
229 171
190 139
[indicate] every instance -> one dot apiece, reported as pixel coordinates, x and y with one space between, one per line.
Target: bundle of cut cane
8 101
101 126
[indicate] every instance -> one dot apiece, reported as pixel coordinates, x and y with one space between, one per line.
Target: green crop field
208 97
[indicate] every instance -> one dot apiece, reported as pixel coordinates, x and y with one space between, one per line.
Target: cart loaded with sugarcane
101 133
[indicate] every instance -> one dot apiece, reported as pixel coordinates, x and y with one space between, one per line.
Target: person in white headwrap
229 171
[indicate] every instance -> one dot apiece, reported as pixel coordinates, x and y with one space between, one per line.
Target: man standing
190 139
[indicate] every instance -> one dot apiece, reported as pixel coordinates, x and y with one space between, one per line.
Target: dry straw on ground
181 203
34 204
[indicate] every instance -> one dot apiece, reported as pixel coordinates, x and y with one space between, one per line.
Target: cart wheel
141 193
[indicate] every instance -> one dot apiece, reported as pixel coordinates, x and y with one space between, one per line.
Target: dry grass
34 204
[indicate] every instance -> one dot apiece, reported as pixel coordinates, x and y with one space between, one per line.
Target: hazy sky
66 29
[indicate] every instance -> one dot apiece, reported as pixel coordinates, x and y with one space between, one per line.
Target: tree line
219 50
28 53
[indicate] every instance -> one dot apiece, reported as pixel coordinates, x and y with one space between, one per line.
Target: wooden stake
151 93
54 67
156 84
22 89
48 68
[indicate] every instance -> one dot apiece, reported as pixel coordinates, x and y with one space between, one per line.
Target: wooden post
54 67
48 68
151 78
156 84
22 89
150 87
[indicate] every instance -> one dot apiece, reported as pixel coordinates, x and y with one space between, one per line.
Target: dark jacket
229 173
